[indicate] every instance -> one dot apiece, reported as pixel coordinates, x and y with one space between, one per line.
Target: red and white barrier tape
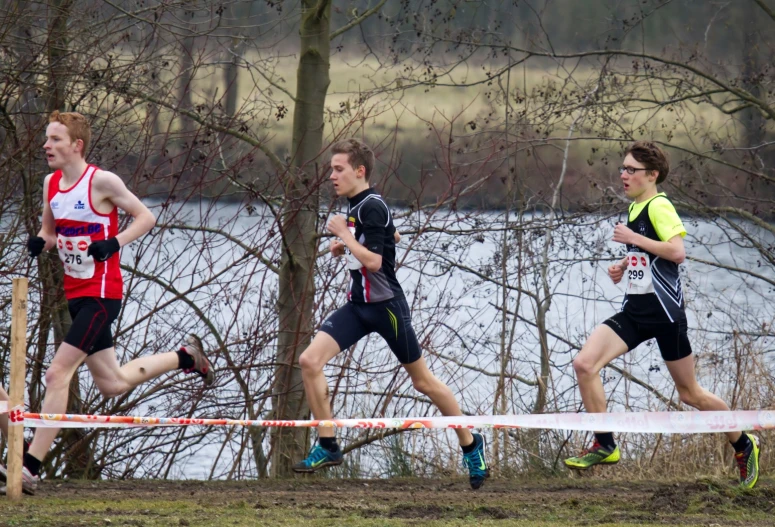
15 415
638 422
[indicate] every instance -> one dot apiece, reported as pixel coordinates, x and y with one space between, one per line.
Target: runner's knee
428 385
112 389
310 362
57 377
691 397
109 393
584 367
422 386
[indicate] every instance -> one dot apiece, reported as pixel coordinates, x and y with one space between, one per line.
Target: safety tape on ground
637 422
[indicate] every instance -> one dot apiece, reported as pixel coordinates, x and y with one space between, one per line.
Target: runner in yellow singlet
653 308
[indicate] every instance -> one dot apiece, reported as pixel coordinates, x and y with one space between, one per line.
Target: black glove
35 246
103 250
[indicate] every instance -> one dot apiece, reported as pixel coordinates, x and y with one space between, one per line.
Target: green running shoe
476 463
595 455
319 458
748 463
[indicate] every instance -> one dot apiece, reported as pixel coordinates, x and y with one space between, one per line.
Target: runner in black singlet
653 308
376 304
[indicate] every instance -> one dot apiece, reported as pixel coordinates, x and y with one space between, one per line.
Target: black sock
741 444
469 448
32 463
185 361
606 439
329 443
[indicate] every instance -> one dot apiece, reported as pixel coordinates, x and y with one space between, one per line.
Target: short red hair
77 127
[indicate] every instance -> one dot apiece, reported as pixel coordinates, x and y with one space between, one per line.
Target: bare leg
322 349
692 393
425 382
602 346
113 379
4 417
58 375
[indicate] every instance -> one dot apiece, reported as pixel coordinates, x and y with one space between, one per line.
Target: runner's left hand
104 249
616 272
35 246
337 248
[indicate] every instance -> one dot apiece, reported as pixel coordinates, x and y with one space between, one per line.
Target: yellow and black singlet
654 284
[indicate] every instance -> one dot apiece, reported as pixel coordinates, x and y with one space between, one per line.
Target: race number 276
73 259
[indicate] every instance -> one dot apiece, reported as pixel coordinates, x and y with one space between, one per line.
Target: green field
319 502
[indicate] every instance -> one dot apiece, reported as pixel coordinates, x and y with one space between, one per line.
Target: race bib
352 262
72 252
639 274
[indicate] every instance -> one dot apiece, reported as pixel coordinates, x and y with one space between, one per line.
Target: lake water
453 280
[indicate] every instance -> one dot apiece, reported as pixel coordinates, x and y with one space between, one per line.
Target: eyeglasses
631 170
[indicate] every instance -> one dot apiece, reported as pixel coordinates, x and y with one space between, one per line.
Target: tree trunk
53 305
187 132
58 15
231 76
752 118
231 96
186 78
297 285
753 121
21 131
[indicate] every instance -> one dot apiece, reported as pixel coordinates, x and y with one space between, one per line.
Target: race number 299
639 273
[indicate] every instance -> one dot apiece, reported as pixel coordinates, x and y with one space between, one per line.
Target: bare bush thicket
498 147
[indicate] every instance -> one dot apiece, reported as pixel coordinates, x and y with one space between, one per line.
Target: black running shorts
671 336
391 319
92 318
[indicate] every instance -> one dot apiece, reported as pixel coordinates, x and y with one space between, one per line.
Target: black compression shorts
671 336
391 319
92 318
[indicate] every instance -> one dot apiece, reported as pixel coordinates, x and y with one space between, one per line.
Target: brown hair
651 156
358 154
77 127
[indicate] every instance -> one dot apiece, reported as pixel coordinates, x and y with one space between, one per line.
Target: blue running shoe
476 463
319 458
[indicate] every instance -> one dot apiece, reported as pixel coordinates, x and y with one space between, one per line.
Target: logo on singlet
54 204
642 228
79 206
79 231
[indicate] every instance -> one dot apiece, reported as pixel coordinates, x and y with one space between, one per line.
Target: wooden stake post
16 388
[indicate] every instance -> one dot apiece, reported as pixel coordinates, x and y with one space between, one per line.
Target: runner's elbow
151 220
148 220
374 264
679 256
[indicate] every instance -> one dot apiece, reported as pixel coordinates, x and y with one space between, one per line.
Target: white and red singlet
78 225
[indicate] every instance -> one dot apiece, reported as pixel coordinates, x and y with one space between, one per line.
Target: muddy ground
318 501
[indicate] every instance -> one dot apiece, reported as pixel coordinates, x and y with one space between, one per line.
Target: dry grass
408 111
